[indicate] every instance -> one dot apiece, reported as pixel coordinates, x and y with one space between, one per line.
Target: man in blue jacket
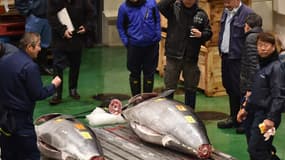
139 29
21 87
231 44
35 12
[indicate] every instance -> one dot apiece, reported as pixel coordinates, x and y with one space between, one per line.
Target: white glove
269 133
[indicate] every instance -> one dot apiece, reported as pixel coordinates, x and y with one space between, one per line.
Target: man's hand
268 124
81 30
196 33
241 116
267 128
56 81
248 93
67 34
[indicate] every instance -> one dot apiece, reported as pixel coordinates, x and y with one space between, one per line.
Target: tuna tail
218 155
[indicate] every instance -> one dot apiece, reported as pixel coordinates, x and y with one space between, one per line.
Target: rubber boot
148 84
190 98
135 84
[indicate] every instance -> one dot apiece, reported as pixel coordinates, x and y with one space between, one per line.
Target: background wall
264 9
279 17
110 34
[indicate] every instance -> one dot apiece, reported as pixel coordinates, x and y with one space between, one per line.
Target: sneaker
55 100
228 123
73 94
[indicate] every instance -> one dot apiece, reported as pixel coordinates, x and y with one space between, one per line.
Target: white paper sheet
64 19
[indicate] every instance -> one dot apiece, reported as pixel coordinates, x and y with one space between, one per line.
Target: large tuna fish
169 123
65 138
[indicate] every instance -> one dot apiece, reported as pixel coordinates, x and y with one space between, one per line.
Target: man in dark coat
68 44
21 87
262 111
188 28
249 57
231 44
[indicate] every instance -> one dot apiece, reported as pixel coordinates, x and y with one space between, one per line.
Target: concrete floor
103 70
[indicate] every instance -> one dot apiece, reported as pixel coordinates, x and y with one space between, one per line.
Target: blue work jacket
139 25
237 35
21 87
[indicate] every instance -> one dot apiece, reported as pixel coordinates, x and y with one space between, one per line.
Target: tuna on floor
63 137
169 123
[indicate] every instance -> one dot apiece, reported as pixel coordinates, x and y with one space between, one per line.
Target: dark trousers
142 60
190 72
231 82
19 147
63 59
258 148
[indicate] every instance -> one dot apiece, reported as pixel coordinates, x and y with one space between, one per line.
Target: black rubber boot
190 98
148 84
135 84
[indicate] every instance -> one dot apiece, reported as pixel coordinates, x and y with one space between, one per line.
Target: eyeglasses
263 44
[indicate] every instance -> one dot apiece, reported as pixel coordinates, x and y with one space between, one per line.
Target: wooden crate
161 58
12 24
12 28
10 2
210 66
211 76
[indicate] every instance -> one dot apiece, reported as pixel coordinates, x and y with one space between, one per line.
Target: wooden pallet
121 143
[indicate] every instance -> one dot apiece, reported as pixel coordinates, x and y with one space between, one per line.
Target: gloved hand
267 128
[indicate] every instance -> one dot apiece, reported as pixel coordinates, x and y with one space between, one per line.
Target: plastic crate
12 28
4 39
